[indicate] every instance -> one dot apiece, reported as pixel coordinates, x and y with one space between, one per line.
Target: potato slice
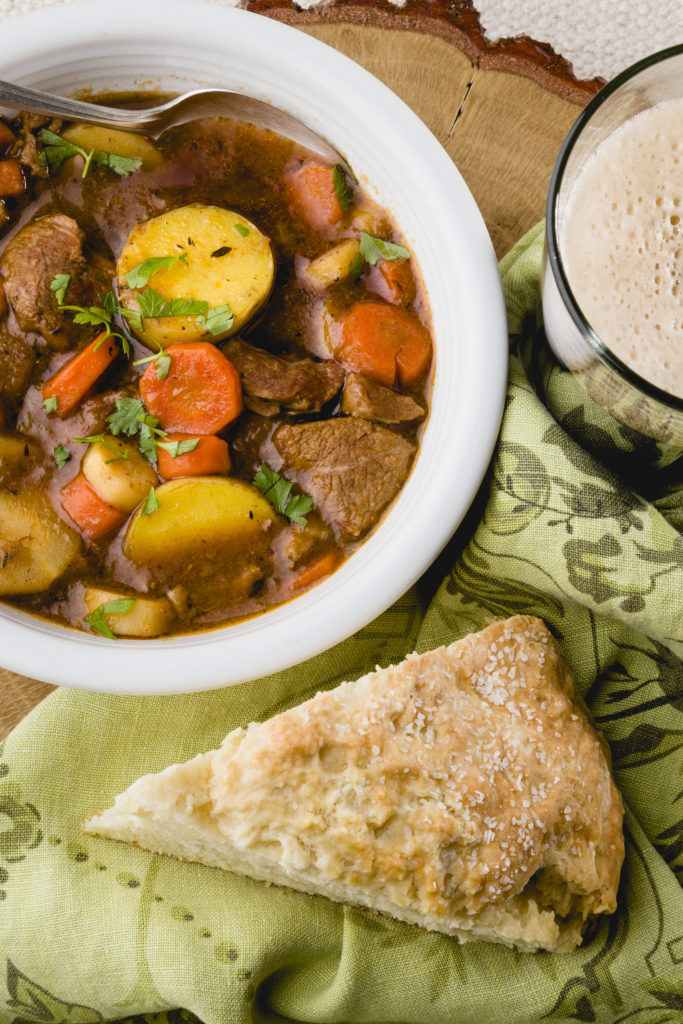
36 547
119 473
196 514
149 616
229 262
110 140
333 266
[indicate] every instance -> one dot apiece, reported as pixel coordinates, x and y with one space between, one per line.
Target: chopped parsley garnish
152 503
97 621
372 249
57 150
176 448
97 316
50 404
62 455
130 417
217 319
140 275
341 187
101 439
356 267
127 416
278 492
241 230
163 365
59 285
161 360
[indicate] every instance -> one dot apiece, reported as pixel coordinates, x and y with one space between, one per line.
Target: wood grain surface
501 112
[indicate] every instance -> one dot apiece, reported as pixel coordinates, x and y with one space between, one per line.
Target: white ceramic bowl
188 45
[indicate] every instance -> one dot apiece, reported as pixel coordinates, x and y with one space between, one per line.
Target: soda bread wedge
464 790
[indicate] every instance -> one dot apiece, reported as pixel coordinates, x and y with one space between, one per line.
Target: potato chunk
36 547
333 266
206 514
14 449
119 473
229 262
149 616
110 140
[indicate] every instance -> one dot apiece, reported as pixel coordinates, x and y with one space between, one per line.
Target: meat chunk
301 386
17 358
371 401
351 468
46 247
26 148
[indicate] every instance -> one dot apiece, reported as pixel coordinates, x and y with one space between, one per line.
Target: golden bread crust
464 789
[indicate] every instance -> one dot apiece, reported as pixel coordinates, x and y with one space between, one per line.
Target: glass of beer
613 273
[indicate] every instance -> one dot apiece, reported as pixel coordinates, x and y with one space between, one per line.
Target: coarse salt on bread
464 790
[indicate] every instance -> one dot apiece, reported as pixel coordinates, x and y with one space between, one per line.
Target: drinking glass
629 397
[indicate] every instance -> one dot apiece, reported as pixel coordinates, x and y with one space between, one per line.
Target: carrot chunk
71 382
385 343
316 570
6 136
399 281
313 192
211 456
201 394
12 181
91 515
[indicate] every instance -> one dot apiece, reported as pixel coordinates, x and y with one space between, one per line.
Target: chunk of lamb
300 386
46 247
372 401
351 468
26 148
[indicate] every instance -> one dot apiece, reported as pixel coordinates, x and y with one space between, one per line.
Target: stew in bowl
215 369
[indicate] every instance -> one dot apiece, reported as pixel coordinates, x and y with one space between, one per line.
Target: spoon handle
17 97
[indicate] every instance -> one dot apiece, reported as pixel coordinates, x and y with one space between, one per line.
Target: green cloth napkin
92 930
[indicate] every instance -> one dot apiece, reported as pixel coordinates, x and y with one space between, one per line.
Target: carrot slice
201 394
12 181
71 383
385 343
312 189
316 570
399 281
6 136
90 514
211 456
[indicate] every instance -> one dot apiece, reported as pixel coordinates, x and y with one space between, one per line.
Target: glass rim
602 351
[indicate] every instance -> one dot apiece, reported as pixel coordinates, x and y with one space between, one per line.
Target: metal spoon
153 121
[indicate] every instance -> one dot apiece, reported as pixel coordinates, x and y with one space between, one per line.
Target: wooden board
501 112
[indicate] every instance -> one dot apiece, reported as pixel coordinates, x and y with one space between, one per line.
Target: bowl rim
348 600
599 347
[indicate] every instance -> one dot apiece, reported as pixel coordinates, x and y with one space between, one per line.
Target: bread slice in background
464 790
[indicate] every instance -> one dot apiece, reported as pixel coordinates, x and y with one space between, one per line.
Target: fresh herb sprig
216 319
278 492
341 187
151 504
97 620
101 315
56 150
372 249
140 275
131 418
61 455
